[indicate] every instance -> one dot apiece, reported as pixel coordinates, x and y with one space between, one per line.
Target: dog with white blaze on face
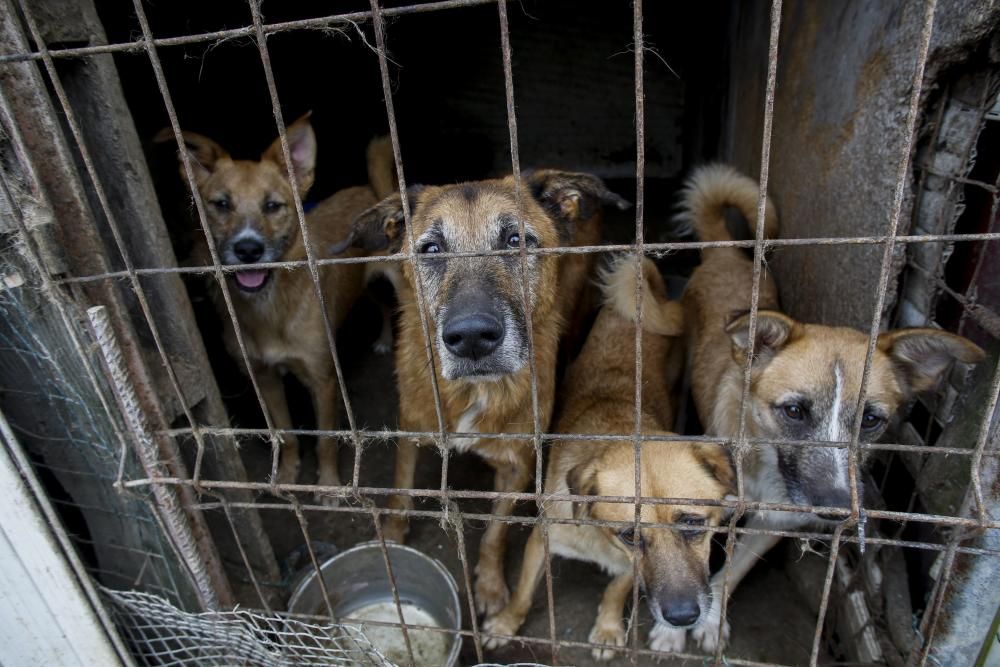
599 398
251 215
805 381
478 319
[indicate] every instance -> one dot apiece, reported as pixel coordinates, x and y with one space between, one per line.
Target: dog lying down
599 399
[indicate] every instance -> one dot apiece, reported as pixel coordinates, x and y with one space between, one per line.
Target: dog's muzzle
250 250
473 338
830 497
681 612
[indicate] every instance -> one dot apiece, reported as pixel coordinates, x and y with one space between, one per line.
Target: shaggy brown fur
491 391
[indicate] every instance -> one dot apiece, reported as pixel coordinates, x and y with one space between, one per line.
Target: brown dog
251 214
599 395
478 326
806 378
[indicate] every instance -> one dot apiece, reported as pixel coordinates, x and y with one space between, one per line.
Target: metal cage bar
536 440
449 512
617 248
189 174
89 165
331 338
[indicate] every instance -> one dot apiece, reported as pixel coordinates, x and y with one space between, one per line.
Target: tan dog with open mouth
600 399
806 378
251 214
478 326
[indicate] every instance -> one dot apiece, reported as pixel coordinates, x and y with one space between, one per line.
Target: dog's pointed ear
716 460
921 356
301 148
380 227
774 330
570 197
581 480
205 154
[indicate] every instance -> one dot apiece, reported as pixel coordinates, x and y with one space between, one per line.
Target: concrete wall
843 84
843 87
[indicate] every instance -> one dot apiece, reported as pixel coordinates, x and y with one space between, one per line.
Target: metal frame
850 531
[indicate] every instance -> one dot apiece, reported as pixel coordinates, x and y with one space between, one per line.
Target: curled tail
618 283
712 189
382 167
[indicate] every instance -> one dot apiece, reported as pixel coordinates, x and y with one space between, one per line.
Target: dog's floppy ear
380 227
582 481
205 154
774 331
715 459
301 147
921 356
570 197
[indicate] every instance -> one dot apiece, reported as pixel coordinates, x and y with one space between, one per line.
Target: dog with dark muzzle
476 311
805 381
251 214
599 398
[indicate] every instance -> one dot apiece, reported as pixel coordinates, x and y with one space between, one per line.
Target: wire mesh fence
78 444
162 634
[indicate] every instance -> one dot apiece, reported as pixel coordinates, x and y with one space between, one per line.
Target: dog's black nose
681 612
248 250
472 336
831 497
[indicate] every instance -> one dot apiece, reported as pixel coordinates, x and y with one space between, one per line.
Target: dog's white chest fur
468 423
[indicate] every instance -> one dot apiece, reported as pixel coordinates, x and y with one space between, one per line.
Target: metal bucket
357 580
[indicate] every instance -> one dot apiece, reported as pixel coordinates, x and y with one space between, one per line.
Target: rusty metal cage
86 234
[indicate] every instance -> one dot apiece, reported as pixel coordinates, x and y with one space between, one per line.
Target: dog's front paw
504 623
325 497
288 468
707 634
666 638
395 528
491 594
613 635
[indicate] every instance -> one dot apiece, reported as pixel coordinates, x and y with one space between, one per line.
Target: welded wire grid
260 636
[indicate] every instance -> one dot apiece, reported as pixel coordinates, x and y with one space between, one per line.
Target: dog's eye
430 248
690 522
794 411
871 421
514 240
630 538
222 204
273 206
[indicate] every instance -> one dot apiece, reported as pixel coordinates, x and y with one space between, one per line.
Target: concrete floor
771 623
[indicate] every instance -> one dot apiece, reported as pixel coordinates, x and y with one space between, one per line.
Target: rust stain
872 75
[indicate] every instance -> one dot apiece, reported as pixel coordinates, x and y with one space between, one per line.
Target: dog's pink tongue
251 279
